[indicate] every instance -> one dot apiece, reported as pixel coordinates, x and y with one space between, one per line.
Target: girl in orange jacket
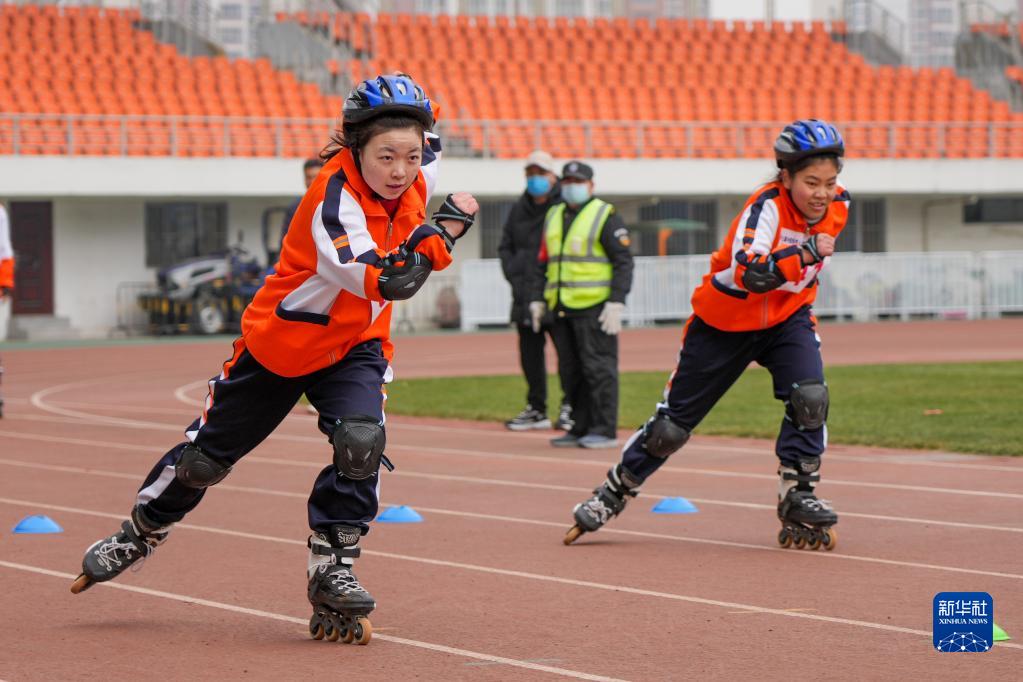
6 284
320 325
754 306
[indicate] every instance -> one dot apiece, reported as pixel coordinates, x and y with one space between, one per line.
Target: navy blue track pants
711 360
246 403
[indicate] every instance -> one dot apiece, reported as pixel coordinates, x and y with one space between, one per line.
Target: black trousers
588 364
711 360
534 365
247 402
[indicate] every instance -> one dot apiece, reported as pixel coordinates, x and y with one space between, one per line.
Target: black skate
108 558
340 603
607 502
806 521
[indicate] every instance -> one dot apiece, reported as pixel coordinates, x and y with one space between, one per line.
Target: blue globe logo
963 641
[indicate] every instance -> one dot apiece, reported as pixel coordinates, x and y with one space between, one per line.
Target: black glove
400 282
762 277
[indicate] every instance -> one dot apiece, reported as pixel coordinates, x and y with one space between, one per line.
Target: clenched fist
466 203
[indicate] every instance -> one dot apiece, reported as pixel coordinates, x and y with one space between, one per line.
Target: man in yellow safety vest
583 273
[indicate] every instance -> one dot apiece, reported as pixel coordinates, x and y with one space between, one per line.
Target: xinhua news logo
963 622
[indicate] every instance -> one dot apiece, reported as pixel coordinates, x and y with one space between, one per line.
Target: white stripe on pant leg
5 316
207 405
156 488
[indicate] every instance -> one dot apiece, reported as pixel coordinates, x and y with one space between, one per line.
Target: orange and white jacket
6 252
769 227
323 297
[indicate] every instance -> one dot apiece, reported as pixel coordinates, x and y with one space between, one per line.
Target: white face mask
575 193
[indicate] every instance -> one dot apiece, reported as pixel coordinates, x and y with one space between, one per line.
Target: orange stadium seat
718 87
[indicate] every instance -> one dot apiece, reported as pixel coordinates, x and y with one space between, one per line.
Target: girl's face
813 188
391 160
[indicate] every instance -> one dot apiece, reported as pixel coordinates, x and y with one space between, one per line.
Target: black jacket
520 244
614 237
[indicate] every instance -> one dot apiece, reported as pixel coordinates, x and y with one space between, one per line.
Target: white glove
611 318
536 311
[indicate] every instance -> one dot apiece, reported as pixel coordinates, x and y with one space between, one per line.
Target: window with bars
179 230
994 210
667 241
490 223
865 231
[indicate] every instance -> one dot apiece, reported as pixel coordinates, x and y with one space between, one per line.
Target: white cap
541 159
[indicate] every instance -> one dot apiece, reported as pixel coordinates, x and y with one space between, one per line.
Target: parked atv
208 294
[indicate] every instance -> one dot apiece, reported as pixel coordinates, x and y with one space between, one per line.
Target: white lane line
180 392
531 576
703 472
743 613
508 483
562 525
37 400
907 458
186 599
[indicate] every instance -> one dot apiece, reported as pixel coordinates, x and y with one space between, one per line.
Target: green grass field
981 404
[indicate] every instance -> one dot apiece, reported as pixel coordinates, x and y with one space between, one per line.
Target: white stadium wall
47 177
99 206
99 244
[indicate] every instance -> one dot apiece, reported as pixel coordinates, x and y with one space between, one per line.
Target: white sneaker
565 421
528 419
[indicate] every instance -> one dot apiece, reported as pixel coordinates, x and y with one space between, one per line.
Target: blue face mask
538 185
575 193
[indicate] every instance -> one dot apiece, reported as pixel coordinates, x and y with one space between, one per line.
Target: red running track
483 589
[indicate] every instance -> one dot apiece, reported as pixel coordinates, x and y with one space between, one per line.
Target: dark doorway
32 239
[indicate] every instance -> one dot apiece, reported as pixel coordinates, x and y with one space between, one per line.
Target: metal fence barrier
854 286
435 306
206 136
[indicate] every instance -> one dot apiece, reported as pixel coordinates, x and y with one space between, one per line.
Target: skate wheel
331 632
816 538
347 635
316 627
784 538
81 584
572 535
362 631
800 541
830 539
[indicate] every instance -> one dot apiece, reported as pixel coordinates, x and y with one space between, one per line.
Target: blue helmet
397 94
807 137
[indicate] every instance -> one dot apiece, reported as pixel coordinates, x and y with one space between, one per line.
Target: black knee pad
662 437
196 469
807 405
358 446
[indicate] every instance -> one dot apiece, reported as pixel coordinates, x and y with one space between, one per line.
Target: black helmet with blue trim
807 137
391 94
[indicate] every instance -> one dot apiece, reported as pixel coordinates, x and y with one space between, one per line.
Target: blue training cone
37 524
400 514
674 505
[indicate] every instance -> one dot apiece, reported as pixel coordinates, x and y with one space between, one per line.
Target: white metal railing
435 305
858 286
135 135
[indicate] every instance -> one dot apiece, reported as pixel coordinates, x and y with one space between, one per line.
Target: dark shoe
566 441
565 421
528 419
